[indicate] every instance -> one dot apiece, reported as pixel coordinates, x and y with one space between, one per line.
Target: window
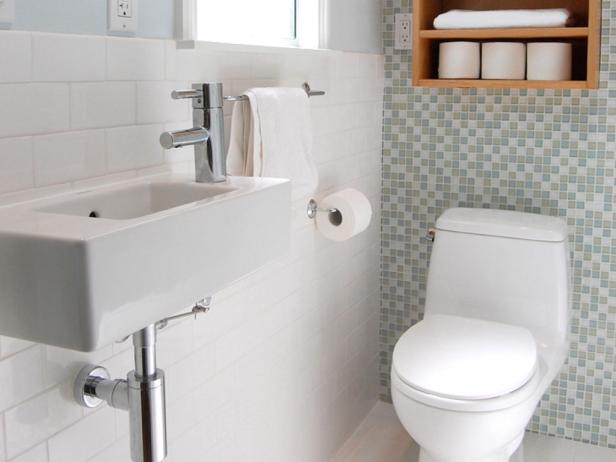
257 22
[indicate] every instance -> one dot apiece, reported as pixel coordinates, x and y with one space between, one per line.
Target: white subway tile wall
103 104
63 157
33 108
285 365
61 58
16 49
16 164
136 59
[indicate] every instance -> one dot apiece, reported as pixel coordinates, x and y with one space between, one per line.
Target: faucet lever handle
186 94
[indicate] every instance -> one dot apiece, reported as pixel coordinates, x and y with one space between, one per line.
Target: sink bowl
136 201
85 268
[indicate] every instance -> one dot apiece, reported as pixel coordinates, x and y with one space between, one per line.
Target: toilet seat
477 405
461 360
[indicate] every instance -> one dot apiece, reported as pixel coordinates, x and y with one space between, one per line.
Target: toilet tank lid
503 223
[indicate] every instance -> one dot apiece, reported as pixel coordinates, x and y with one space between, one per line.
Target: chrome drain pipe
142 393
146 401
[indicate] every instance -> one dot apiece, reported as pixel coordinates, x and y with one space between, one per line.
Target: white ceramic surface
483 274
160 244
503 267
477 359
527 226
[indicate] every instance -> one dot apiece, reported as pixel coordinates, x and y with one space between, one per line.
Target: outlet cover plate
403 31
7 13
122 17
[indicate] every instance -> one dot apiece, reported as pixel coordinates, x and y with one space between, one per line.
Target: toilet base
514 452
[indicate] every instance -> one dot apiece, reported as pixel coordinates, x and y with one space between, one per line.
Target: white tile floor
381 438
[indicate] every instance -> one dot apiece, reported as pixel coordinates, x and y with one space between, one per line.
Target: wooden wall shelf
461 83
526 33
585 37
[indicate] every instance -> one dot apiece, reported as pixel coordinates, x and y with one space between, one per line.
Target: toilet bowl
466 379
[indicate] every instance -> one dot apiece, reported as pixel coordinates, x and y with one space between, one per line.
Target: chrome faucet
207 134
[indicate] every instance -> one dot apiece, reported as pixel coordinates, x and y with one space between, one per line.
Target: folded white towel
271 136
468 19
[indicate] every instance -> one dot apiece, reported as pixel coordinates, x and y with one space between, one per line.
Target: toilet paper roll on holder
313 208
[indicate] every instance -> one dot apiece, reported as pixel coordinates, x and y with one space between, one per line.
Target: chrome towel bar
305 86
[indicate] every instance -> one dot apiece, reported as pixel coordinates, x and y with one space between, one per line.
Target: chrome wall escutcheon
313 208
84 389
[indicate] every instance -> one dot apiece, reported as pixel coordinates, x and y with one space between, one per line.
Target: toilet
466 379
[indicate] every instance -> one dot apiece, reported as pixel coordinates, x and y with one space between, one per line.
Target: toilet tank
502 266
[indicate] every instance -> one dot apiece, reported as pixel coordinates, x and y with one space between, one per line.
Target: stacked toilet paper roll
503 61
352 215
459 60
549 61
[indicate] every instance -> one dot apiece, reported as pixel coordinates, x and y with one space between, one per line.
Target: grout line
31 73
5 450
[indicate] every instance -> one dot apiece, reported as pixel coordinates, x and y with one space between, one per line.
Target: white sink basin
86 268
137 200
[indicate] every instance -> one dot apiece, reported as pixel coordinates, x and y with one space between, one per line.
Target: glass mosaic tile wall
542 151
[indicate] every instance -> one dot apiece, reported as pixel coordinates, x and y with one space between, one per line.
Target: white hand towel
468 19
271 136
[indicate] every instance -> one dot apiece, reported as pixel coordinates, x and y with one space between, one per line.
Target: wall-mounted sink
137 200
83 269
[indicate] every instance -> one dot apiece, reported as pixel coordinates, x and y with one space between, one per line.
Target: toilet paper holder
313 208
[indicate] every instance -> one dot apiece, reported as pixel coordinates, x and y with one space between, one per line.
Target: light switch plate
7 13
122 16
403 31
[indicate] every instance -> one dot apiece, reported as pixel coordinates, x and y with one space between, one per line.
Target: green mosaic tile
540 151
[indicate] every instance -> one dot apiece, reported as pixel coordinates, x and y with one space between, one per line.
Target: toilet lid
465 358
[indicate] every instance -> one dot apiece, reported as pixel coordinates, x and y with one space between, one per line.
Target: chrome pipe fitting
93 386
142 394
144 348
147 417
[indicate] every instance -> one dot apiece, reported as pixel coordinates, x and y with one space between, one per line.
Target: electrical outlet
122 17
403 31
125 9
7 13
